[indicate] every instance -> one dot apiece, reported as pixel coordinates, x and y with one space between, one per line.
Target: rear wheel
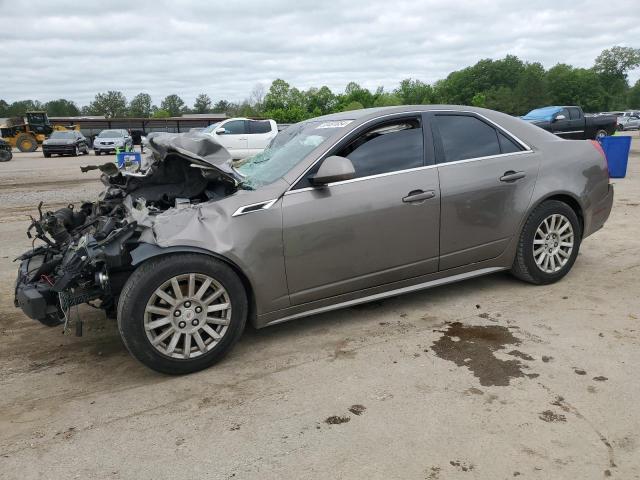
181 313
548 244
26 143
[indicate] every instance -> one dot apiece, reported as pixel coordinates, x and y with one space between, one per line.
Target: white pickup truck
243 137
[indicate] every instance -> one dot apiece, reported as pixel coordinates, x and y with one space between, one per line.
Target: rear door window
259 126
463 137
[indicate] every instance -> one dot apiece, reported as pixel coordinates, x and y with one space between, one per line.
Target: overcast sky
54 49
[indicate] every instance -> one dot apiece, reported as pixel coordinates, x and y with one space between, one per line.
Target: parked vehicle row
570 122
242 137
629 120
338 210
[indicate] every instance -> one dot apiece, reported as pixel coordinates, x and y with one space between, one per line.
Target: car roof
523 130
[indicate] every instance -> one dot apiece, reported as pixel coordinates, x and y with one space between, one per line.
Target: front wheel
182 313
548 244
26 142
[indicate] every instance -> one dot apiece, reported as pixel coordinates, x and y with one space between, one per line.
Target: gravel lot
491 378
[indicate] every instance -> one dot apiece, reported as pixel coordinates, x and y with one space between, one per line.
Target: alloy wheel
553 243
187 316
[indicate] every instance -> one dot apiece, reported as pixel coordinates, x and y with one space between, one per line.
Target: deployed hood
185 167
199 149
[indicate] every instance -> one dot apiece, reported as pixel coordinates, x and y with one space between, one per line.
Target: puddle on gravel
473 346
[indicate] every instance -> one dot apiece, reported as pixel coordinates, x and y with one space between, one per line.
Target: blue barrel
616 149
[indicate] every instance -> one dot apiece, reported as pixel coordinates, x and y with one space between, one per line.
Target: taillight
598 147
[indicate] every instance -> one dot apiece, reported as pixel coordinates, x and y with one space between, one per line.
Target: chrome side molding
390 293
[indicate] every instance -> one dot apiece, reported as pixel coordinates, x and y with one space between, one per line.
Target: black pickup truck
571 122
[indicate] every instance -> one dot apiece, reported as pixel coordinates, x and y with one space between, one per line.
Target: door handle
419 196
512 176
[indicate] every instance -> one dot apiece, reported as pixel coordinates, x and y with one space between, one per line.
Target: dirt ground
491 378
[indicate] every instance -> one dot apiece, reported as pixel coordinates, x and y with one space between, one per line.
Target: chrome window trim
397 172
572 131
527 149
266 204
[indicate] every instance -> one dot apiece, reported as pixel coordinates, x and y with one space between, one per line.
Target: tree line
510 85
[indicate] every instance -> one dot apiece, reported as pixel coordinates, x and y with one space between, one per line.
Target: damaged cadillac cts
338 210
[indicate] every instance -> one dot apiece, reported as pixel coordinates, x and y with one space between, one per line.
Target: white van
243 137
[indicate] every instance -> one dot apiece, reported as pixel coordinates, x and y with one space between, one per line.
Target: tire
621 128
76 152
26 143
97 152
526 264
46 155
601 133
5 155
140 294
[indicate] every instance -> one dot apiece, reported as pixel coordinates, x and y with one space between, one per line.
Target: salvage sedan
339 210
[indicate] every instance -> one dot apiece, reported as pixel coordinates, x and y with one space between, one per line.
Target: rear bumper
600 213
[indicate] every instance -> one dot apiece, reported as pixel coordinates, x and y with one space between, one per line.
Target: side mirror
221 131
560 117
333 169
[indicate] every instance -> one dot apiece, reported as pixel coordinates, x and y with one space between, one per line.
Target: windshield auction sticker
335 124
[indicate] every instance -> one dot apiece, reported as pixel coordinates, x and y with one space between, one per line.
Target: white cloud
74 50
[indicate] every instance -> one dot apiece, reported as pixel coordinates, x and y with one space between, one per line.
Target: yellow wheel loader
27 133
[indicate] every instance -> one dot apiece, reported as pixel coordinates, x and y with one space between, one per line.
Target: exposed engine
85 256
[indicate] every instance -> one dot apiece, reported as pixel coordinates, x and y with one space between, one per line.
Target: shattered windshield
286 150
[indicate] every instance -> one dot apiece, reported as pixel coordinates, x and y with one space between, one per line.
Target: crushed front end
84 252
